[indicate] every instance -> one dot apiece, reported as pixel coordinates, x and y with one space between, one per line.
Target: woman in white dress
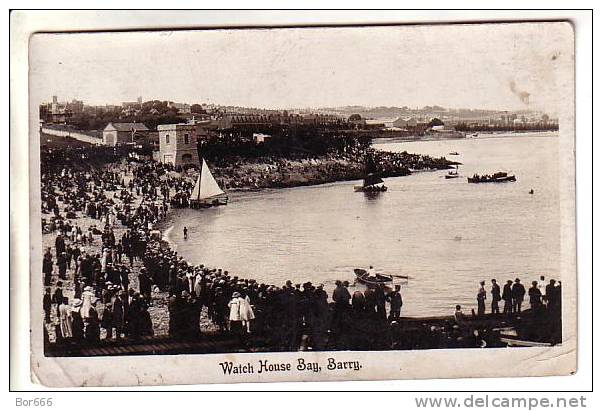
65 318
103 261
235 318
87 296
246 312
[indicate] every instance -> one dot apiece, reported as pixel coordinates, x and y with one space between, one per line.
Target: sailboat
372 184
207 192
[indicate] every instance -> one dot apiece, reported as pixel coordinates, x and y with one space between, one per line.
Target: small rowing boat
372 280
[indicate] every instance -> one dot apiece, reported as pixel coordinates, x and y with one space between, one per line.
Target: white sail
197 188
206 186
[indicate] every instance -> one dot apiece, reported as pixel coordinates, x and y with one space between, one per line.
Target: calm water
445 234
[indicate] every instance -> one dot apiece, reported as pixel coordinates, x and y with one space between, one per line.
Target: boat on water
499 177
452 173
372 184
372 281
206 192
454 153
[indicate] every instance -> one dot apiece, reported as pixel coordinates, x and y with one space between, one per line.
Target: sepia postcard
302 204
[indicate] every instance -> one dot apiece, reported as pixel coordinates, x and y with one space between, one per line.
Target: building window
166 138
186 139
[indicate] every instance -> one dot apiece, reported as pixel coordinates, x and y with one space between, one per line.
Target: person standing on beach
47 266
185 233
61 262
380 299
507 297
481 297
535 296
518 295
47 305
236 322
396 302
341 298
65 319
495 297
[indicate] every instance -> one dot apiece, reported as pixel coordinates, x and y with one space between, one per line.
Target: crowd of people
118 266
98 264
541 297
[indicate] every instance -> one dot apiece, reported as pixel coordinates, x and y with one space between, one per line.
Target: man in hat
534 297
145 285
78 322
518 295
341 298
551 294
61 262
458 315
320 293
47 266
47 305
118 313
507 297
106 321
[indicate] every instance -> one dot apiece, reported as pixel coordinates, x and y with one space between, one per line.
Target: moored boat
372 184
452 174
499 177
206 192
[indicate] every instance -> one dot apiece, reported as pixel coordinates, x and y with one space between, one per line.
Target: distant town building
182 108
178 143
135 104
122 133
55 112
408 122
374 123
75 106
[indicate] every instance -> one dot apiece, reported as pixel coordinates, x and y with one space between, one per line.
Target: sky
491 66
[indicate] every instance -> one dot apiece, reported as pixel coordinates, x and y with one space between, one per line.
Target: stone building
178 143
123 133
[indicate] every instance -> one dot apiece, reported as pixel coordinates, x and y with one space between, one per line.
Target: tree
355 117
196 108
435 122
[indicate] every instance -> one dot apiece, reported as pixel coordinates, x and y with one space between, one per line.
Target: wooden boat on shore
372 280
500 177
372 184
206 192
